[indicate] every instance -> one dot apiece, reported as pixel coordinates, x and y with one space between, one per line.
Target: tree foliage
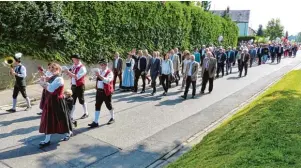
206 5
260 31
54 30
274 29
298 38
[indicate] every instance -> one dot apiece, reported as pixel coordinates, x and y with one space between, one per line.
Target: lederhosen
101 96
20 84
78 91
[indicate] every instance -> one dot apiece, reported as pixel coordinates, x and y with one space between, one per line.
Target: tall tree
298 39
260 31
206 5
274 29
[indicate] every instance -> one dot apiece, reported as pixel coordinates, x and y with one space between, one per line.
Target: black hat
102 61
77 56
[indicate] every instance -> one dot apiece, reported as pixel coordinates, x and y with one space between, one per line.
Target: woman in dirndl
128 74
55 118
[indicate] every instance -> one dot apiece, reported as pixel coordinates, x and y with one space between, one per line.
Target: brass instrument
9 62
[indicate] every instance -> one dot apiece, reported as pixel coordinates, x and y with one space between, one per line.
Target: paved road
146 127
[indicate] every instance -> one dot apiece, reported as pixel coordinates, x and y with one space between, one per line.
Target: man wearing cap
104 86
19 71
77 74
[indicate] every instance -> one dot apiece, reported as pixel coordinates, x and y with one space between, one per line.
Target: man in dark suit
259 54
243 64
229 60
140 71
279 51
273 52
252 53
155 68
221 58
117 69
208 72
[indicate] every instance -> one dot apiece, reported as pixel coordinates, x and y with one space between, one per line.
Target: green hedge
54 30
246 38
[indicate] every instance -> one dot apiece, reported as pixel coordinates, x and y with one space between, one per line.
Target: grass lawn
266 133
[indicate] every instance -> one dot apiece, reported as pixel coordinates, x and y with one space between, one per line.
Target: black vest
20 81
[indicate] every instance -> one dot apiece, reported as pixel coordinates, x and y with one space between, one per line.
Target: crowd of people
58 104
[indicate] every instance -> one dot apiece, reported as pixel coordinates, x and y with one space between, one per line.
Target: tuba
9 62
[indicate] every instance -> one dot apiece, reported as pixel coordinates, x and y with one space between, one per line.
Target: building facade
241 17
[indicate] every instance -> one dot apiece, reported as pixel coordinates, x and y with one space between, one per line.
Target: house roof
235 15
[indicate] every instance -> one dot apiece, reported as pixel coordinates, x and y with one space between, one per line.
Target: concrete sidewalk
147 127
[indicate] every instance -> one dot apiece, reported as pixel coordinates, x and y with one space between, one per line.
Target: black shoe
164 94
153 93
143 91
192 97
111 121
85 116
40 113
202 92
27 108
11 110
67 137
44 144
93 125
184 97
75 123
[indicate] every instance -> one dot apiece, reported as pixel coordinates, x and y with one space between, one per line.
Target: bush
50 30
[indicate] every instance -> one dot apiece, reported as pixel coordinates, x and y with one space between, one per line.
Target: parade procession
58 103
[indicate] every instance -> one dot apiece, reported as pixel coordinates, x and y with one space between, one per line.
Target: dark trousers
188 83
220 67
228 67
273 57
251 61
259 59
102 97
177 78
18 89
278 58
138 73
115 77
243 65
205 79
165 82
78 93
154 84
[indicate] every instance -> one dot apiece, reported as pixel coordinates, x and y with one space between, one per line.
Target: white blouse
59 81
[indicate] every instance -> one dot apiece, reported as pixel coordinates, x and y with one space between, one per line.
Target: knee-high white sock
72 112
96 117
112 114
47 138
28 102
14 104
85 108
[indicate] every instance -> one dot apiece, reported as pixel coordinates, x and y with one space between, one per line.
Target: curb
175 153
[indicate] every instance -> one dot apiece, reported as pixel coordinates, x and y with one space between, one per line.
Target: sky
261 11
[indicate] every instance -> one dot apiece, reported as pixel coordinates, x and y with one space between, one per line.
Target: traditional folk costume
48 75
20 83
78 86
128 75
104 94
55 118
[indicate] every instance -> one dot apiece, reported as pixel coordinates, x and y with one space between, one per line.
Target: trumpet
93 74
9 62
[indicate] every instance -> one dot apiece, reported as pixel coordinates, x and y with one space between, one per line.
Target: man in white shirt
19 72
77 74
186 54
104 92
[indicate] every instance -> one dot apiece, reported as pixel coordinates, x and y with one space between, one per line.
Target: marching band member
19 72
77 75
104 92
55 118
47 76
